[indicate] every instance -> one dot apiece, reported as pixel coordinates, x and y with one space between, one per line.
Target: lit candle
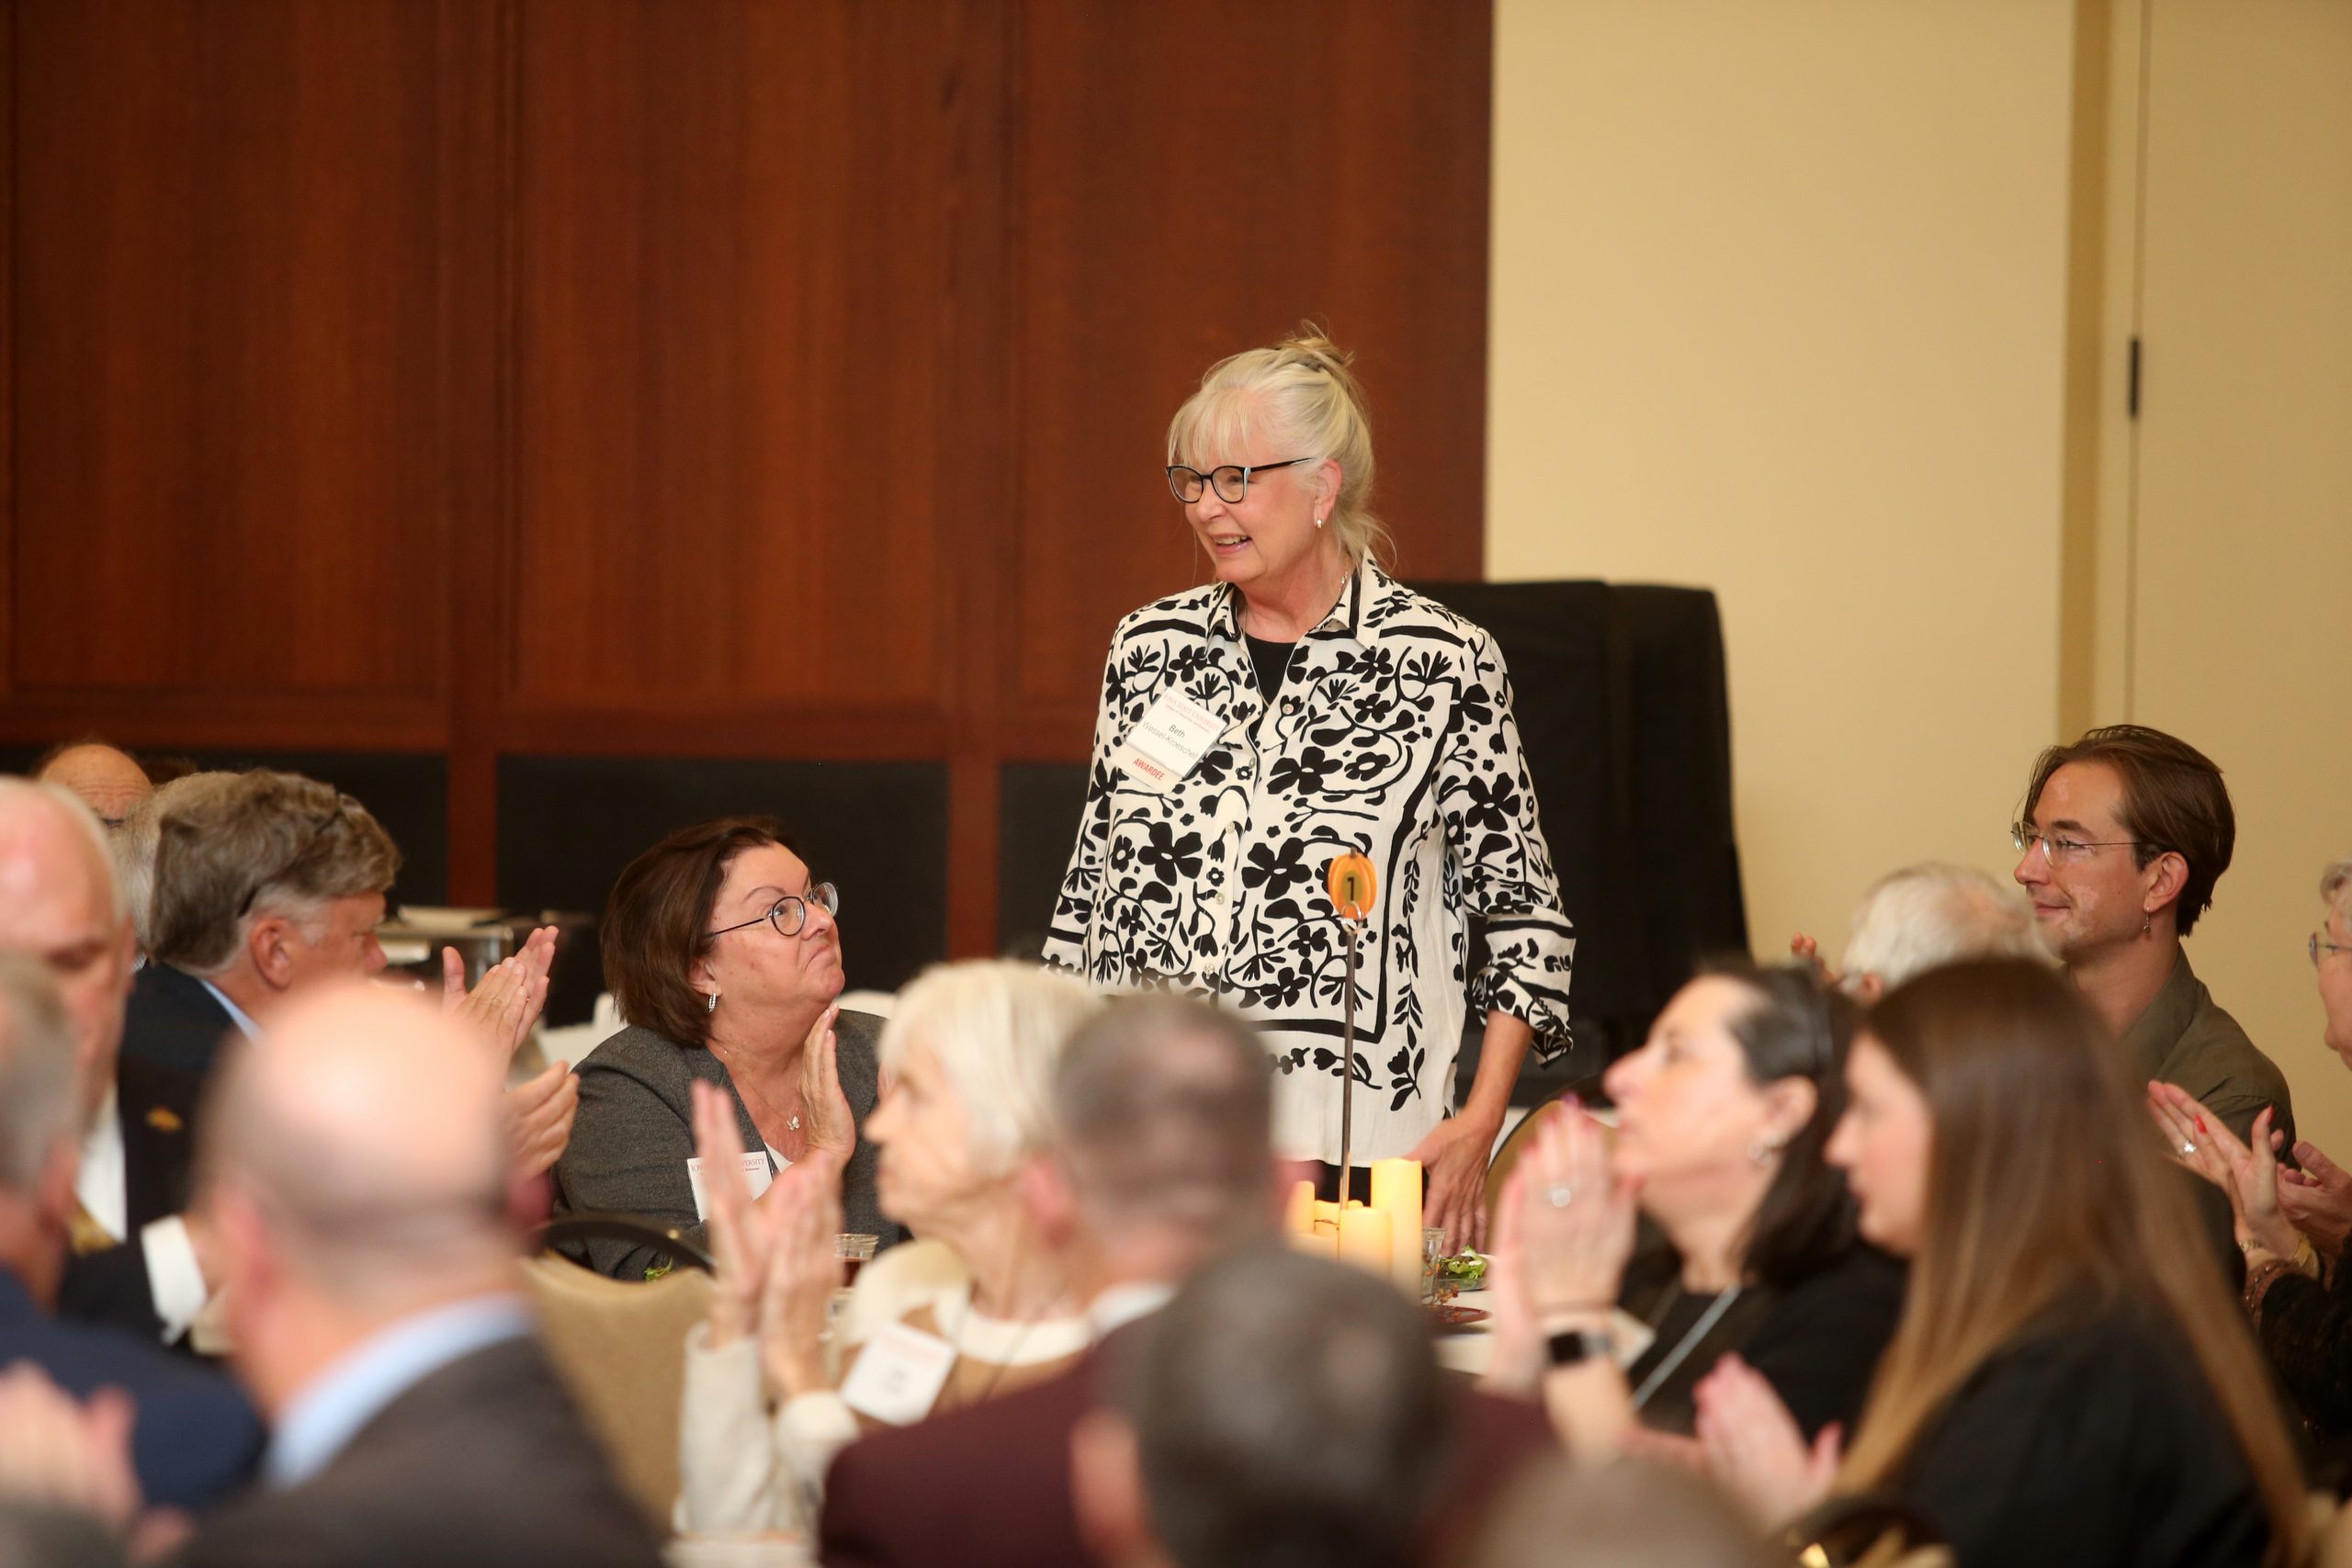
1298 1219
1396 1191
1363 1238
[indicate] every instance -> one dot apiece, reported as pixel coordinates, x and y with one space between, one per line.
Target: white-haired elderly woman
1297 707
968 1062
2292 1222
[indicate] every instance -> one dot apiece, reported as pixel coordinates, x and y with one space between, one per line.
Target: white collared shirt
174 1282
1392 735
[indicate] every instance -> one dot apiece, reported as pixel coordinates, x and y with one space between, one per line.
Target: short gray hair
86 822
2335 886
1164 1108
996 1027
1287 1409
1925 916
136 840
38 1102
271 843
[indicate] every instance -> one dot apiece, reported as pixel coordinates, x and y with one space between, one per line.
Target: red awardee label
1351 884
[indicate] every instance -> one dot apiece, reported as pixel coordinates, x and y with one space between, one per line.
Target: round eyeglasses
789 913
1230 481
2060 849
2320 944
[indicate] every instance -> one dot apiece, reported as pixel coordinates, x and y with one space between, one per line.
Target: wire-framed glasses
1231 481
2060 849
2320 944
789 913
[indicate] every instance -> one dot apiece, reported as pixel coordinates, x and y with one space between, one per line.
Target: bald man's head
108 780
59 903
363 1132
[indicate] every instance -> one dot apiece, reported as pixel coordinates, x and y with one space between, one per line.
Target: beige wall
2239 534
1825 304
1778 304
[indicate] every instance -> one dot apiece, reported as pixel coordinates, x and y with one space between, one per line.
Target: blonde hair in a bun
1300 393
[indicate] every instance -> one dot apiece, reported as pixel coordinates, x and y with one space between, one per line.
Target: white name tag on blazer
1174 733
898 1375
756 1176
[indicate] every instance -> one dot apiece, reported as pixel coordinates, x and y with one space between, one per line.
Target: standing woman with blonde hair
2070 1383
1298 707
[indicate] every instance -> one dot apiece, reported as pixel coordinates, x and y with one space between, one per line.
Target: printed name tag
756 1176
1174 733
898 1375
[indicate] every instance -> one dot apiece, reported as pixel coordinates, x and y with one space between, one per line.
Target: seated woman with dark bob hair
1722 1116
720 950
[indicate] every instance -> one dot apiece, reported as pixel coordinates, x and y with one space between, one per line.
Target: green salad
1465 1270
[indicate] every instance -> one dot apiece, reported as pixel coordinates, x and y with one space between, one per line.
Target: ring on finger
1559 1194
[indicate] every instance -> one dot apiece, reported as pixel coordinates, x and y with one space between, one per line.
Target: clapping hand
540 1113
2202 1142
804 1269
832 1131
1576 1220
2318 1199
740 1232
1807 951
506 1006
1754 1448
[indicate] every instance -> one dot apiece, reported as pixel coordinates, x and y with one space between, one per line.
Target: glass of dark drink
855 1252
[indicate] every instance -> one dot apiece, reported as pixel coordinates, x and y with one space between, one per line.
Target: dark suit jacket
196 1439
988 1486
157 1107
171 1020
635 1132
485 1463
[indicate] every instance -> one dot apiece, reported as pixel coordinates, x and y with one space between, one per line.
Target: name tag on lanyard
1168 742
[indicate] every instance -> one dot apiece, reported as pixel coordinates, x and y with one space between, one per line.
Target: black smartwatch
1573 1347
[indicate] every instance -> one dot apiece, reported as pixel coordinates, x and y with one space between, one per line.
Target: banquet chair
619 1348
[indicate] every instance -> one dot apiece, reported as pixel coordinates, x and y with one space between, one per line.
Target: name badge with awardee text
1171 739
757 1175
898 1375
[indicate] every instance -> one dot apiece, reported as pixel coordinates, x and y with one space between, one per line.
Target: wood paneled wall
776 378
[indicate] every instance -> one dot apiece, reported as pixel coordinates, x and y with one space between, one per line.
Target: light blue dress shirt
245 1026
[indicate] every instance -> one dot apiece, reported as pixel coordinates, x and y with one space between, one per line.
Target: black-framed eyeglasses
1231 481
2320 944
789 913
2060 849
319 829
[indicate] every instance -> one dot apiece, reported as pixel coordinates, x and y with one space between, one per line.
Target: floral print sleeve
1390 735
1489 802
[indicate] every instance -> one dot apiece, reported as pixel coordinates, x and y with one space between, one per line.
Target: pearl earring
1319 521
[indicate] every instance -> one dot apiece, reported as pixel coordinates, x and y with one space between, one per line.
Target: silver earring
2147 921
711 1002
1319 521
1762 1150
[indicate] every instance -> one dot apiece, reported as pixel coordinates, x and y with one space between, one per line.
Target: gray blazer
635 1132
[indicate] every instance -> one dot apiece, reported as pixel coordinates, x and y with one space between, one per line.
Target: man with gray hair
192 1438
261 887
1925 916
266 884
1282 1412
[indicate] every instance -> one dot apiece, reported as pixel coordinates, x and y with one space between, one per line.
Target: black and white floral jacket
1393 737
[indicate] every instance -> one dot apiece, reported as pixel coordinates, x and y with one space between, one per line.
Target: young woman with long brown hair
2070 1383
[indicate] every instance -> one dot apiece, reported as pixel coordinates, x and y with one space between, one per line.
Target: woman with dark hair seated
2070 1383
1721 1120
721 951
